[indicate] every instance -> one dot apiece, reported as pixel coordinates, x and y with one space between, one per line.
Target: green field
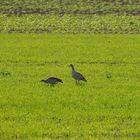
106 107
39 39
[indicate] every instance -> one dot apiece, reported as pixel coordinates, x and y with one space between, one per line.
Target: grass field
106 107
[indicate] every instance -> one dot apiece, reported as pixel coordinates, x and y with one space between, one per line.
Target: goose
52 81
76 75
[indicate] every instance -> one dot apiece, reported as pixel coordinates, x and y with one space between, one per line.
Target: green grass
106 107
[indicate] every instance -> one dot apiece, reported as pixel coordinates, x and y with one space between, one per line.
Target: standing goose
76 75
52 81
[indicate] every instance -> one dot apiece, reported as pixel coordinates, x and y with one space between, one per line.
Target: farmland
39 39
19 7
106 107
68 16
73 24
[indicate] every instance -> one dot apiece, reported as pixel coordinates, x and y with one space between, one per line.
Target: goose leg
78 82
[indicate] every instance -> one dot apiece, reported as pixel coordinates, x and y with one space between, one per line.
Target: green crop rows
70 16
131 7
70 24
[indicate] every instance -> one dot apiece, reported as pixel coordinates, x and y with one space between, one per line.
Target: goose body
76 75
52 80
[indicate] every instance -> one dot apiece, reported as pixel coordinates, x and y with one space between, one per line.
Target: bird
76 75
52 81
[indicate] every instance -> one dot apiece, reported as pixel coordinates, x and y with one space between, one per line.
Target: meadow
106 107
